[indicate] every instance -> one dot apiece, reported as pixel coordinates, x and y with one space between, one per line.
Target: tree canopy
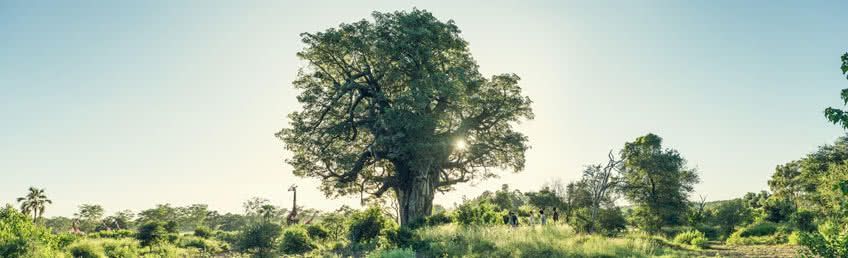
657 181
398 103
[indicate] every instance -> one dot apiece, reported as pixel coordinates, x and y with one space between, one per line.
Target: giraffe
292 218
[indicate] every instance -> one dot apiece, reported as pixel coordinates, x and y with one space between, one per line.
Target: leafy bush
260 238
439 218
121 248
86 250
202 244
829 241
317 231
369 224
472 213
693 238
152 233
296 241
19 237
758 229
737 239
393 253
202 232
803 220
121 233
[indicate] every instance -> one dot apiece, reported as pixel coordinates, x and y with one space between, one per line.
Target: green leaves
845 64
384 101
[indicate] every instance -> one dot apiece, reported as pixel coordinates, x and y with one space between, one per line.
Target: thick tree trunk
415 197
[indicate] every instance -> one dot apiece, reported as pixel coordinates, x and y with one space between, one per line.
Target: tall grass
549 241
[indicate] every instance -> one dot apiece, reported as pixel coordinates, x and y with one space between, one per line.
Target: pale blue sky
132 104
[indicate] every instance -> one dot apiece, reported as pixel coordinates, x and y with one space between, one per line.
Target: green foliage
730 214
207 246
20 237
439 218
472 213
368 225
831 241
86 250
694 238
123 233
775 239
549 241
393 253
260 238
317 231
657 182
399 93
152 233
202 232
758 229
296 240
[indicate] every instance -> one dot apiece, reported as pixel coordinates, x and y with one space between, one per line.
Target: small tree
600 180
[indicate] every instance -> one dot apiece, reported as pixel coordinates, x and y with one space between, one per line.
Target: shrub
367 225
473 213
151 233
758 229
317 231
124 248
829 241
121 233
260 238
86 249
172 227
393 253
439 218
803 220
296 241
19 237
202 232
737 239
694 238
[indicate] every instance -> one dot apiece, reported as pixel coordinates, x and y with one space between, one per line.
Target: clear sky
132 104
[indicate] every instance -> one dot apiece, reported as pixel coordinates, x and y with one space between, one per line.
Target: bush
86 250
19 237
152 233
368 225
758 229
204 245
202 232
121 233
803 220
393 253
829 241
737 239
472 213
317 231
123 248
439 218
694 238
296 241
260 238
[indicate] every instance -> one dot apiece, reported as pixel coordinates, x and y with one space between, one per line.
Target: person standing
556 215
542 217
530 218
513 219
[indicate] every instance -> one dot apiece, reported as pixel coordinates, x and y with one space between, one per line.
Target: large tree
34 203
398 104
656 181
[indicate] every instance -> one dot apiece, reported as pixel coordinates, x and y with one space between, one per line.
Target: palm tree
34 202
267 211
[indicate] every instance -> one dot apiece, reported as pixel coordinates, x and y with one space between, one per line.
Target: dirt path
752 251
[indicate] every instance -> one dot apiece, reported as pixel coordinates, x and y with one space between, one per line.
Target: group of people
512 218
